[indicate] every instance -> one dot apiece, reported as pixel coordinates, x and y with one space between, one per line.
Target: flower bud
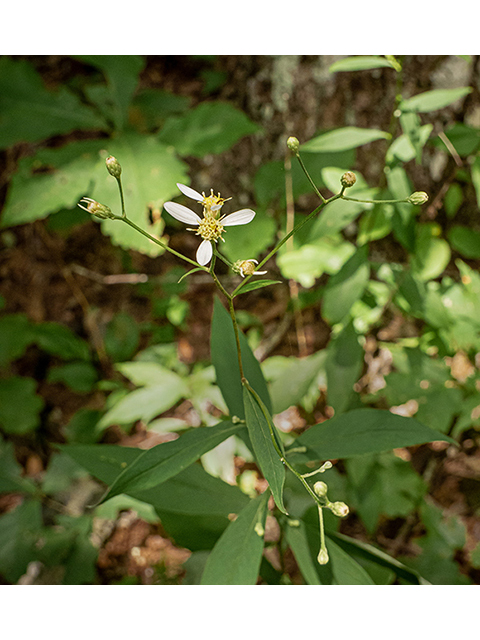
320 489
247 268
322 557
339 509
293 144
419 197
348 179
113 166
97 209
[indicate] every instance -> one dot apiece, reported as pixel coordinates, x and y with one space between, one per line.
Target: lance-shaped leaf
225 361
345 569
366 431
434 100
236 557
342 139
262 431
360 63
160 463
343 366
298 541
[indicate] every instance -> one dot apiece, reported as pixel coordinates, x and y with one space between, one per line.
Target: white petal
259 273
244 216
190 193
179 212
204 253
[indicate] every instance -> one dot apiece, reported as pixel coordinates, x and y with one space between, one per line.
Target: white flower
211 226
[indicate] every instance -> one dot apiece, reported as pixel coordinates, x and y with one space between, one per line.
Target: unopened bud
339 509
419 197
113 166
348 179
322 557
320 489
293 144
97 209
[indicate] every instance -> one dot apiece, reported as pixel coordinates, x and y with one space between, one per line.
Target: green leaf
289 388
433 100
465 240
366 431
79 376
346 286
345 569
15 336
156 465
257 284
359 63
337 215
357 548
20 406
343 367
342 139
261 430
19 532
122 336
150 172
161 394
432 254
297 539
236 557
60 341
251 239
29 112
11 472
225 361
212 127
122 74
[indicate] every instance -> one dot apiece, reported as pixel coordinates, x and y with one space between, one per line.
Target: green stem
309 178
404 200
156 241
120 188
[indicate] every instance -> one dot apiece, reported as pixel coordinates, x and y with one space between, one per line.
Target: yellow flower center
210 228
211 201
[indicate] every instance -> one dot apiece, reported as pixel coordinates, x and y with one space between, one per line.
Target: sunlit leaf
434 100
342 139
359 63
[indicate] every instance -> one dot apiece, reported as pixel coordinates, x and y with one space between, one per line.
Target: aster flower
211 227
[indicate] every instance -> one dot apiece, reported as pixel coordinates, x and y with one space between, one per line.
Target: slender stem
161 244
310 179
404 200
120 188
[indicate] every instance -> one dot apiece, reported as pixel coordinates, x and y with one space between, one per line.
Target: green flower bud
97 209
339 509
113 166
247 268
322 557
293 144
348 179
419 197
320 489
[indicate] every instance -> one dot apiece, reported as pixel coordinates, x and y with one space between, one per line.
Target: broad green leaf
122 74
11 472
236 558
289 388
406 147
225 360
346 286
366 431
249 240
297 539
212 127
343 366
146 403
339 214
465 240
359 63
261 431
122 336
29 112
432 254
150 172
51 180
434 100
60 341
342 139
345 569
304 265
20 406
148 374
156 465
331 177
78 376
19 534
15 336
357 548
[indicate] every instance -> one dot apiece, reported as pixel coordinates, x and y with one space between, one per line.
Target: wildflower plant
236 556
